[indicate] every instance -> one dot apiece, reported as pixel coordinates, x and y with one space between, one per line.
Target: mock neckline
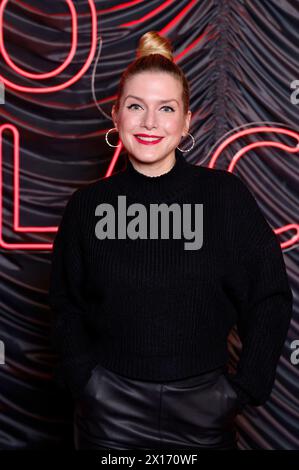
156 187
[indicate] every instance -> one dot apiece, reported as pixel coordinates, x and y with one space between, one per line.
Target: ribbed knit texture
151 310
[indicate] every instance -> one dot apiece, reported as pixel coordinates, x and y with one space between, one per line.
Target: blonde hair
154 54
152 43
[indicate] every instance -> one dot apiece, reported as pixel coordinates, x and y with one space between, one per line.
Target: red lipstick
148 141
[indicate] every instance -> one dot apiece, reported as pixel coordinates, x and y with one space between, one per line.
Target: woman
142 304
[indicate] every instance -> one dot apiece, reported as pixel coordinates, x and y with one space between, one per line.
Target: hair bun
152 43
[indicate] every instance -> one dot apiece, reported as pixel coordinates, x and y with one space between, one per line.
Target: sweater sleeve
69 335
266 307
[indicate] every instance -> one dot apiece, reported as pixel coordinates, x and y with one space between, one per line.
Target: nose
149 120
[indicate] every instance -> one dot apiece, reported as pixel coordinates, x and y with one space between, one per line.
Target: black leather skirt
117 412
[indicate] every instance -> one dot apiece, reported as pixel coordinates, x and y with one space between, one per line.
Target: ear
114 116
187 122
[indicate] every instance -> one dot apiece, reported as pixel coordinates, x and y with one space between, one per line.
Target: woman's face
143 112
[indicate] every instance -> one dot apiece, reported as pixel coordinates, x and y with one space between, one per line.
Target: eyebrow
161 101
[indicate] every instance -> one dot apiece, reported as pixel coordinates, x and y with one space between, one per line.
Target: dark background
240 58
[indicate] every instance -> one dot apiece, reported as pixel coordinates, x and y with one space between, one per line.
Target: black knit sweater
150 309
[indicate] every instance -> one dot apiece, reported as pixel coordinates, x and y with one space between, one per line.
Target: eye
169 108
135 104
129 107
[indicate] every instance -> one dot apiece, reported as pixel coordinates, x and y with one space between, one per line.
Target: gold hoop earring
193 143
106 137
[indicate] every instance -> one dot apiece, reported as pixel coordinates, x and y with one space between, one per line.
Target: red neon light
58 70
16 196
253 130
263 143
69 82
